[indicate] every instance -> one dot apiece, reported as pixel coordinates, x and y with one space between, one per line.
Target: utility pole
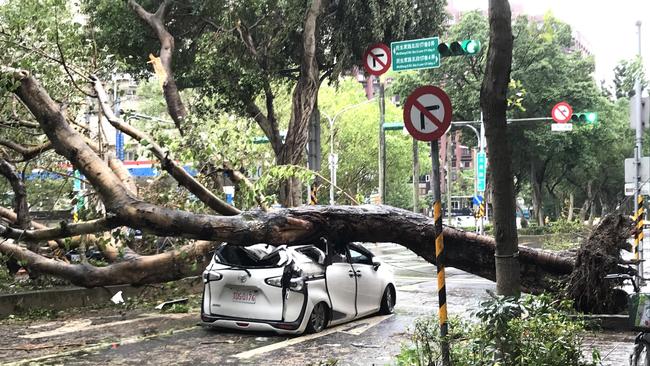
382 144
416 176
638 152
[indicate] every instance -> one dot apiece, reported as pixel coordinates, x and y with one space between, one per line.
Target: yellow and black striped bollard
639 219
313 200
440 269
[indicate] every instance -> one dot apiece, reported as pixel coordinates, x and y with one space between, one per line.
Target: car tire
388 301
318 318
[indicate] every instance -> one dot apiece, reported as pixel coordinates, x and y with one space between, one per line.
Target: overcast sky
609 26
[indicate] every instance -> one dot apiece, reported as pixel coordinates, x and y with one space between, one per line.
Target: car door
369 283
341 286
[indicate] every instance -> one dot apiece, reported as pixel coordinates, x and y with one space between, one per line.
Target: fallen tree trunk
464 250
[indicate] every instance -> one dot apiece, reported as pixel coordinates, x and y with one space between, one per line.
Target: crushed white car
290 290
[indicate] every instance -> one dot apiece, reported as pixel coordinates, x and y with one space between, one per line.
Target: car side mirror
375 263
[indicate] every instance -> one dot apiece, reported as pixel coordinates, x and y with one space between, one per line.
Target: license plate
245 296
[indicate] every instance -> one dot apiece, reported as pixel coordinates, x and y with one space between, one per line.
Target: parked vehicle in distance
290 290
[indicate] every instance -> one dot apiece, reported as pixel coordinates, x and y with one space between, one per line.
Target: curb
72 297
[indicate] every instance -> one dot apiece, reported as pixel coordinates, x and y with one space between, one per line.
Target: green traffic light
586 117
592 117
471 47
468 47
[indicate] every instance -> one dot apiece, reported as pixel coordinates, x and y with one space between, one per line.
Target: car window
257 256
359 258
339 254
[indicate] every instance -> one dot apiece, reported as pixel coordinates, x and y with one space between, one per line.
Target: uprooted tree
121 206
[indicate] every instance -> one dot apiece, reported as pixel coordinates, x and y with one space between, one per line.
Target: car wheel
388 301
318 318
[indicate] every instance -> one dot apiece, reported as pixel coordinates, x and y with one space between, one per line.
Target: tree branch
21 208
64 230
237 177
175 105
168 164
28 153
270 129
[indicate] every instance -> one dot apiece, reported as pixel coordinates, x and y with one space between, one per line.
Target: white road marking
367 324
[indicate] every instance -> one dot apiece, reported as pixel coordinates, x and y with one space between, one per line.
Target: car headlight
211 276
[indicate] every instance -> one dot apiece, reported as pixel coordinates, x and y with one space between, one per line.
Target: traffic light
585 118
468 47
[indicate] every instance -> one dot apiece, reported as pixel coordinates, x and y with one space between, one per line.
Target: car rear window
257 256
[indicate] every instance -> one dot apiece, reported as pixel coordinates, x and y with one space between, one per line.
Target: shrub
507 331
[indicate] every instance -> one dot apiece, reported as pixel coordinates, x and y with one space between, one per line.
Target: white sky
608 26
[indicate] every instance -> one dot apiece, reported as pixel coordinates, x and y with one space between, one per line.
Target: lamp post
333 157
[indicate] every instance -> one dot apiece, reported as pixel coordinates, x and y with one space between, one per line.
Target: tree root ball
598 256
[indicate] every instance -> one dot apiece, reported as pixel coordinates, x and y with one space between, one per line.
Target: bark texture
494 106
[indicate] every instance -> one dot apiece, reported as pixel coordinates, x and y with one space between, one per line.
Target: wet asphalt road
161 339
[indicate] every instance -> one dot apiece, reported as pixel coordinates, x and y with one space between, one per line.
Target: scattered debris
261 339
33 347
360 345
228 341
117 298
171 302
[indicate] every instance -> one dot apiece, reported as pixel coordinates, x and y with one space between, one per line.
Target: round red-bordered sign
376 59
562 112
427 113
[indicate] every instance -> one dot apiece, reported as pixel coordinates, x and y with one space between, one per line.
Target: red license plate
246 296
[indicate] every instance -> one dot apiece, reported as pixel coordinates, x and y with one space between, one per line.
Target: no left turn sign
377 59
427 113
562 112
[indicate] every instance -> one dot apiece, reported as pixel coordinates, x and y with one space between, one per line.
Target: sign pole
416 177
638 151
382 144
449 148
440 265
427 117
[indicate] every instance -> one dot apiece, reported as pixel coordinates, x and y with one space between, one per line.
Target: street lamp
333 157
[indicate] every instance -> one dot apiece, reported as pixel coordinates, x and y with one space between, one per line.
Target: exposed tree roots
598 256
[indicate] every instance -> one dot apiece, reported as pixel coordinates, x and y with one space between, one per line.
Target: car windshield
259 256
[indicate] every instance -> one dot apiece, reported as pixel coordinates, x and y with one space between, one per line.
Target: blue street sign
119 145
481 168
477 200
